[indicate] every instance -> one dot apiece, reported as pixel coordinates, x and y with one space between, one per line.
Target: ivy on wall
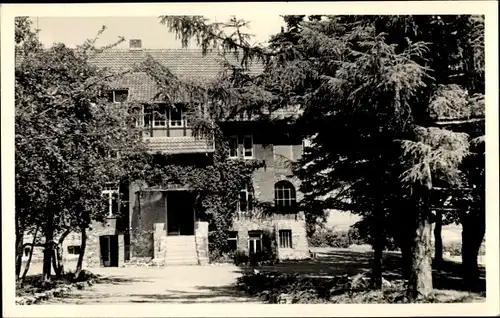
216 185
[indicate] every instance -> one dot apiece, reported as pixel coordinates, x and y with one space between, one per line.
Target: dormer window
118 96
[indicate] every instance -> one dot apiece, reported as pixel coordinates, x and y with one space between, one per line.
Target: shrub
274 287
218 258
142 244
361 233
329 238
240 258
455 248
268 255
291 288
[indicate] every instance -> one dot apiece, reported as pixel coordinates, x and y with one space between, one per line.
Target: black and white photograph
249 158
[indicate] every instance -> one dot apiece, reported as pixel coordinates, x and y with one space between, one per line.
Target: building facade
163 224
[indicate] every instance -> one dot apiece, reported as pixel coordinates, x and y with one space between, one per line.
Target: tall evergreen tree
370 89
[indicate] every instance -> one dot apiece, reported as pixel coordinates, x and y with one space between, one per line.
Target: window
110 194
175 117
147 113
160 116
245 200
254 242
285 237
248 146
27 251
284 195
233 146
245 144
74 249
232 240
118 95
164 116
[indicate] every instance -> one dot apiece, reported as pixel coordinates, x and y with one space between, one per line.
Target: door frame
179 220
110 242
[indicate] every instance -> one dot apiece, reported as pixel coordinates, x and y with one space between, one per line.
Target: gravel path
172 284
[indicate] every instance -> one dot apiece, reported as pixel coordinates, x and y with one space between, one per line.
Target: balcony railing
178 145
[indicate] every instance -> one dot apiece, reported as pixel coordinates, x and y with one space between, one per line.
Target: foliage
212 35
142 244
329 238
216 184
240 258
455 249
362 233
373 80
33 285
281 288
70 141
268 255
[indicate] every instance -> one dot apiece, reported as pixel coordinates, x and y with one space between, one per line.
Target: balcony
179 145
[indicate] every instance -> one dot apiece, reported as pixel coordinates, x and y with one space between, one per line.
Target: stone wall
93 249
159 241
201 237
92 256
276 168
294 222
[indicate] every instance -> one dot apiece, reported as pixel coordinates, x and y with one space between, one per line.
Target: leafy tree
70 141
372 80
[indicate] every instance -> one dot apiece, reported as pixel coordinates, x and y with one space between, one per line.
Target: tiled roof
141 87
185 63
177 145
182 62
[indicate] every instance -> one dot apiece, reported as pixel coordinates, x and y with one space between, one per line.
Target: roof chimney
135 44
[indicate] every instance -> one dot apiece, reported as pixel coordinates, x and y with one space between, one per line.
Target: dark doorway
109 250
180 213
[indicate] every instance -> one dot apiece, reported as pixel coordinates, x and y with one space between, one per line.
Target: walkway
172 284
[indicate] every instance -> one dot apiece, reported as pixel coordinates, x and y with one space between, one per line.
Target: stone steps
181 250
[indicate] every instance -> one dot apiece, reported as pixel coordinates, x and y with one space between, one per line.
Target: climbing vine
216 186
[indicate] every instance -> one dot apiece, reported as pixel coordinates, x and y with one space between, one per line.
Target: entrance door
180 213
109 250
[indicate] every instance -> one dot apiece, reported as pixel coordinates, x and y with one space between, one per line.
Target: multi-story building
173 231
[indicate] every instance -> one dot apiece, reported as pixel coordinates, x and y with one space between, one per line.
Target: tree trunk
57 261
58 255
28 263
376 279
473 229
438 240
47 255
378 248
79 264
420 282
19 253
406 261
404 243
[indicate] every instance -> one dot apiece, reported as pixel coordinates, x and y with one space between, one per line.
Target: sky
75 30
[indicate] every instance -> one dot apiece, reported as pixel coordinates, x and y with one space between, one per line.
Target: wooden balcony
179 145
